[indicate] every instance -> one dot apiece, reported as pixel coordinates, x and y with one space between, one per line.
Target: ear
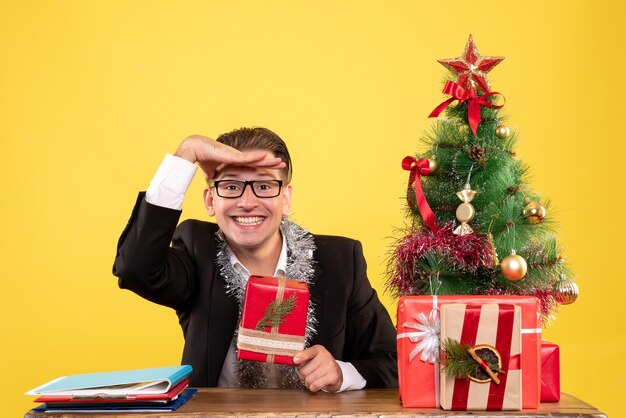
286 195
208 201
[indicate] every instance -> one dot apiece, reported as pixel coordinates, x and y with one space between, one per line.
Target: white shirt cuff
170 183
352 379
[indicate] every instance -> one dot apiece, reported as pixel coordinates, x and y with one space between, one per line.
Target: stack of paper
143 390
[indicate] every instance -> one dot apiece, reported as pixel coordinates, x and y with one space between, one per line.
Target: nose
248 198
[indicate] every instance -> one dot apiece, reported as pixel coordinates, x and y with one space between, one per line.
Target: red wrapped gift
550 373
485 327
273 320
418 347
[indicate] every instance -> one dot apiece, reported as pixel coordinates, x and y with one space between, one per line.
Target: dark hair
256 138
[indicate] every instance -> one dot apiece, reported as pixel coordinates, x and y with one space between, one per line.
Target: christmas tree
475 226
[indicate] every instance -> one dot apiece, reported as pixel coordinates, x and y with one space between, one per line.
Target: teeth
251 220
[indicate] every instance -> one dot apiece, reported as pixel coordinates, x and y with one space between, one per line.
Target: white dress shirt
168 189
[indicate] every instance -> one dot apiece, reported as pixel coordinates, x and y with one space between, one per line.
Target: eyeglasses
231 189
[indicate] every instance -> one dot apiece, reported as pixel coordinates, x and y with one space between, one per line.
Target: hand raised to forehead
209 154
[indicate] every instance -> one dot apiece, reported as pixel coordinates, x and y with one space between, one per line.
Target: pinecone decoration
476 153
513 190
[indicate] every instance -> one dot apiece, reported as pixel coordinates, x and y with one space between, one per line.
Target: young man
202 275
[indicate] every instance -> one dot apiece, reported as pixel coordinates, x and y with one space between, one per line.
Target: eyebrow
238 176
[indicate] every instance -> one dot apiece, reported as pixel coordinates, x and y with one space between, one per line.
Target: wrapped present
550 372
482 345
418 347
273 320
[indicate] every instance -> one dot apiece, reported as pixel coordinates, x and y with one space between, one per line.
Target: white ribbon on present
427 337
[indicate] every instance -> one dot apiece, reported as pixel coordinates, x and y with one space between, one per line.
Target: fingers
210 154
225 154
304 356
318 369
328 380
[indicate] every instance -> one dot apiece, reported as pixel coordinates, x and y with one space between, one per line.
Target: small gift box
550 373
482 352
418 346
273 320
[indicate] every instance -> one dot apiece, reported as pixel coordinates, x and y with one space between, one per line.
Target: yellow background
94 93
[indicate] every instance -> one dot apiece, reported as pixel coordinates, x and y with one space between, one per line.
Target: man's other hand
318 369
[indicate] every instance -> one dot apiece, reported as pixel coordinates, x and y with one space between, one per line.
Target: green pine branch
276 312
436 274
457 361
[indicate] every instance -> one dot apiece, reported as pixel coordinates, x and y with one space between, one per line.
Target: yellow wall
94 93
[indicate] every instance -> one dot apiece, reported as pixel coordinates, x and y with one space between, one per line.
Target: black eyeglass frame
215 183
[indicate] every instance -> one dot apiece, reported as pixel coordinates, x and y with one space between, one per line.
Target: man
202 275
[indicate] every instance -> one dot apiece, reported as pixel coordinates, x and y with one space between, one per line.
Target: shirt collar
279 271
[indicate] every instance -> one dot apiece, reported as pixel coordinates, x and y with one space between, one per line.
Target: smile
248 220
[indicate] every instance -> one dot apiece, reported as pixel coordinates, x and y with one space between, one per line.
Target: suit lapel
318 298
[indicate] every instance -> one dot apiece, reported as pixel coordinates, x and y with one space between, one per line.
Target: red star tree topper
471 68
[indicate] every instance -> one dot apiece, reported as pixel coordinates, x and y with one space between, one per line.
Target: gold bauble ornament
535 212
465 212
432 165
565 291
503 131
513 267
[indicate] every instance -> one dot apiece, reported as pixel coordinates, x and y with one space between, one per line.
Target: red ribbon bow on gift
475 102
417 168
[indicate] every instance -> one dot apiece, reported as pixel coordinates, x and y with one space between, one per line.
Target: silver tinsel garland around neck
300 266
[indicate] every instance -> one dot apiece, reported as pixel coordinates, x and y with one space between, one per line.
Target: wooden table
219 402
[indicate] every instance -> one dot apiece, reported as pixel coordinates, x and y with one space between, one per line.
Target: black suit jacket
353 325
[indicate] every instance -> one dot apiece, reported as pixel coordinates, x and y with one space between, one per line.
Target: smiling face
250 224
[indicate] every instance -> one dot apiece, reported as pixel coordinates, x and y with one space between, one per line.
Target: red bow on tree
417 168
473 108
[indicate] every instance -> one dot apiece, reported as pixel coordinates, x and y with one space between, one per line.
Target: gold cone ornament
494 261
565 291
513 267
